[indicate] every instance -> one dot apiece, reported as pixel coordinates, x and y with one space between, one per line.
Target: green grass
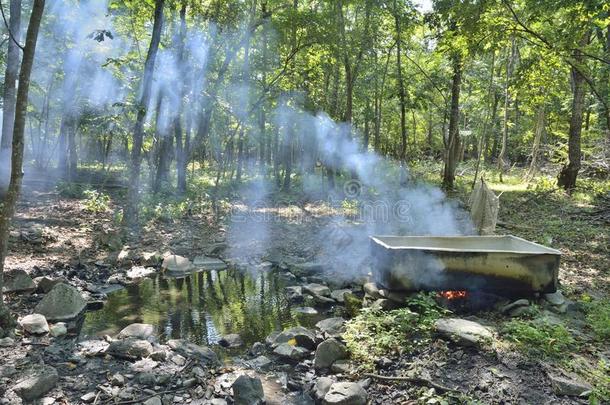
539 338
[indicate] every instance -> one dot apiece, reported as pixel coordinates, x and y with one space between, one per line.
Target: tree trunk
540 120
10 90
130 216
21 107
401 91
569 172
182 151
453 141
502 156
483 135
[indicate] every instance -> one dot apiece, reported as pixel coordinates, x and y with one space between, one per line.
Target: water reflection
200 308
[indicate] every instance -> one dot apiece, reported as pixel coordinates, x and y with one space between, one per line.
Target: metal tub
502 264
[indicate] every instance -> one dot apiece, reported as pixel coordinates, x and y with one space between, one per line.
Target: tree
130 216
21 108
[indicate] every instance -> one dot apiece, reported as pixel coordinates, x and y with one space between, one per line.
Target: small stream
201 307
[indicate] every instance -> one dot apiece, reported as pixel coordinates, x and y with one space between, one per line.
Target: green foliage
598 317
96 202
539 338
375 333
69 189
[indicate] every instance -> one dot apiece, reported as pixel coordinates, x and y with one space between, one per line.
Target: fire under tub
502 264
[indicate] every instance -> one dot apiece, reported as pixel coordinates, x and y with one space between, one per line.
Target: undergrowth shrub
539 338
374 333
598 317
96 202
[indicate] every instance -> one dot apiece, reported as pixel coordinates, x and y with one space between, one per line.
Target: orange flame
452 295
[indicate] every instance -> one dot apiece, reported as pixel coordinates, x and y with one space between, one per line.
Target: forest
305 201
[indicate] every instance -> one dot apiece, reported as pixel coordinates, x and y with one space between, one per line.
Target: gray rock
332 326
309 268
328 352
345 393
88 397
372 290
147 379
7 342
342 367
317 289
137 330
231 341
209 263
175 263
248 391
62 303
555 298
520 311
192 350
117 380
216 401
302 336
139 272
290 352
37 383
260 363
159 355
17 281
321 387
306 311
151 258
463 332
34 324
519 303
58 329
338 295
257 349
569 386
130 348
45 284
153 401
294 293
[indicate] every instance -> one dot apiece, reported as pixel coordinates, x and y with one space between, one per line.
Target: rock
372 290
151 258
519 303
341 367
294 293
463 332
302 336
555 298
332 326
37 383
317 289
216 401
117 380
384 304
62 303
137 330
88 397
34 324
139 272
178 264
520 311
130 348
231 341
321 300
257 349
290 352
305 269
328 352
58 329
178 360
153 401
209 263
17 281
345 393
147 379
248 391
260 363
321 387
569 386
159 355
7 342
188 349
306 311
45 284
338 295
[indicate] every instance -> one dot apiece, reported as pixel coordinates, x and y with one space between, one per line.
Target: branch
10 33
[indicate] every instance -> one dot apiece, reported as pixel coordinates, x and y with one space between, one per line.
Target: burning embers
452 295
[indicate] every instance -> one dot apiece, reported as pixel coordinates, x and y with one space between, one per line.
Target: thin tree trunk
540 121
21 107
10 91
130 217
569 172
401 91
483 135
182 151
453 141
503 149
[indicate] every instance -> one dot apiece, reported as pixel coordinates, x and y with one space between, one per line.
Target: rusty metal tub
501 264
